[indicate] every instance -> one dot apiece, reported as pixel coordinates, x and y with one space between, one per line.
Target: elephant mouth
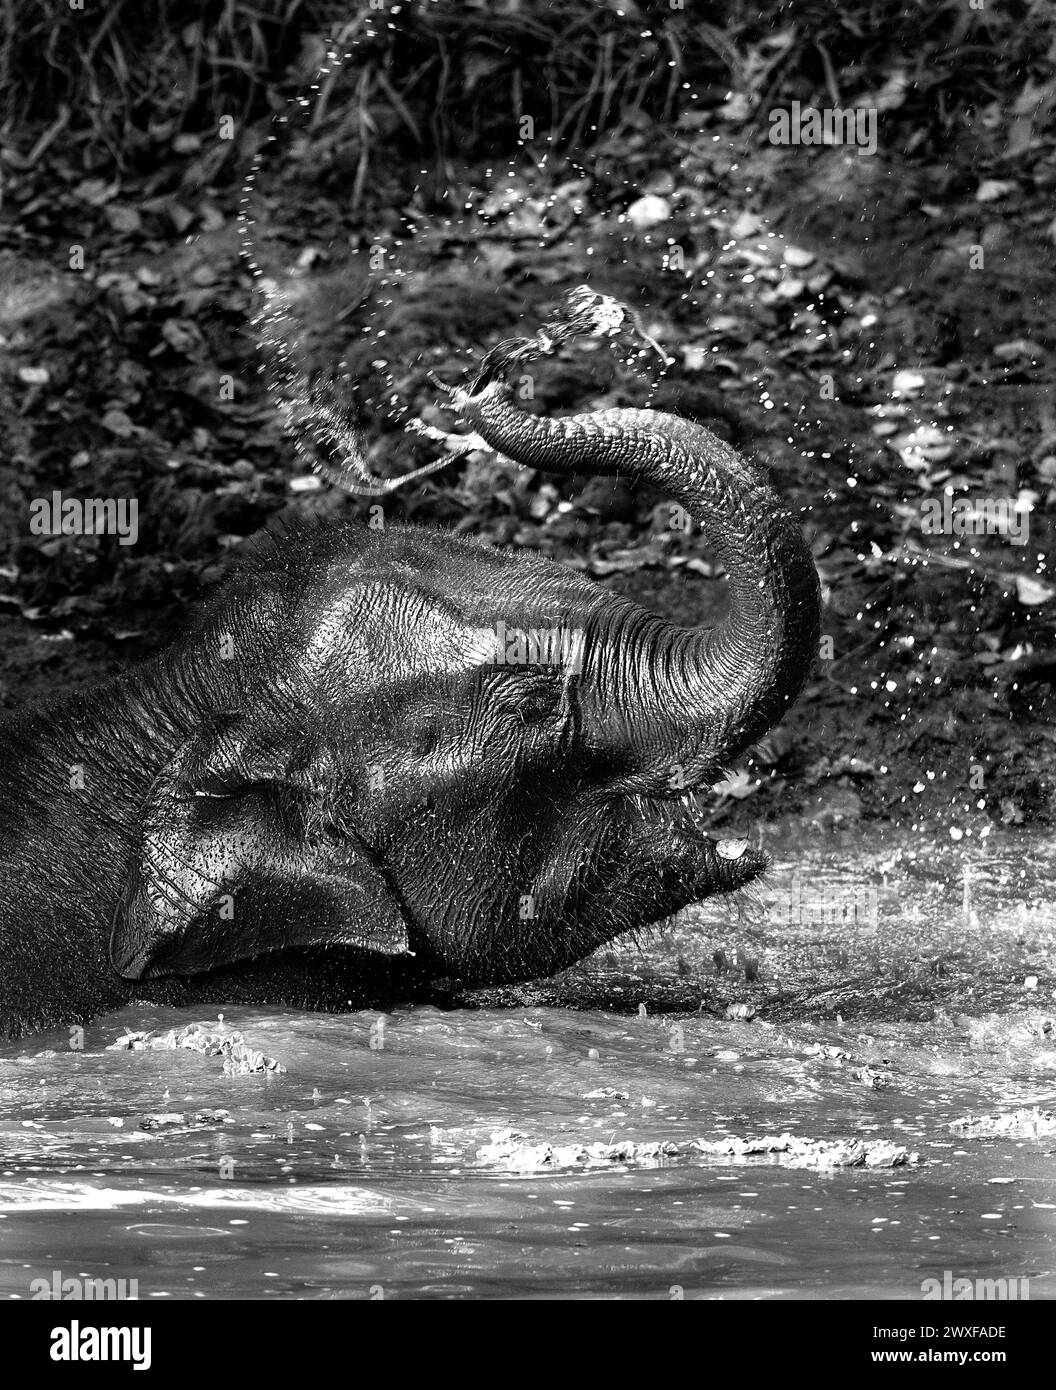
207 943
130 959
140 960
136 957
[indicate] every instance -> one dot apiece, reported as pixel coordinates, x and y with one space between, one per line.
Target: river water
828 1092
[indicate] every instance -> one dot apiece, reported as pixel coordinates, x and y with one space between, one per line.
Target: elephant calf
380 757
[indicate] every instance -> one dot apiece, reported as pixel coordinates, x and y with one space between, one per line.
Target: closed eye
530 695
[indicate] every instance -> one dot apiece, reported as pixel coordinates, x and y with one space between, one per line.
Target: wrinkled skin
328 792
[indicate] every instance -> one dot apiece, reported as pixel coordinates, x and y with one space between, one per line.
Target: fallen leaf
991 190
1030 593
648 212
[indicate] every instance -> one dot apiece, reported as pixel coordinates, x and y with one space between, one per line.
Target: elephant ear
236 858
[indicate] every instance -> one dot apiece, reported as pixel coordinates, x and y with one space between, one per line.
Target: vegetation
879 328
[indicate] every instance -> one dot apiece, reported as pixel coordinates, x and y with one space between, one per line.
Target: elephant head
473 762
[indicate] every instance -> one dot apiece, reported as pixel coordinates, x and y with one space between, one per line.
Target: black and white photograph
527 668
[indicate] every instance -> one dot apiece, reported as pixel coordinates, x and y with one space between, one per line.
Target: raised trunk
703 695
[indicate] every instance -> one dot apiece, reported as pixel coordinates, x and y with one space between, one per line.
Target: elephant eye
423 733
425 738
540 704
534 695
229 785
215 786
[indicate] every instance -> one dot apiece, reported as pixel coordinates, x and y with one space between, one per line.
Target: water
448 1153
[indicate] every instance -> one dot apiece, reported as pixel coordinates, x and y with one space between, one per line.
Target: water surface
543 1142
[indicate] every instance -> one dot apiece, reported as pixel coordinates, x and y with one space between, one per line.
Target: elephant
377 758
